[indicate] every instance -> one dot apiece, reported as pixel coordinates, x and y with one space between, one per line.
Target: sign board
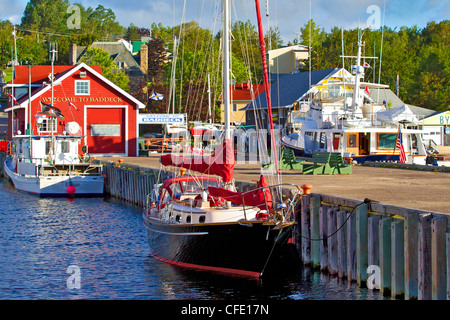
151 118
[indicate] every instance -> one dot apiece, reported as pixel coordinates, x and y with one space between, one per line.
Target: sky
288 15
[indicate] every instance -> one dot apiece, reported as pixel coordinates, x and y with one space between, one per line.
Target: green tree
46 15
313 35
6 42
98 57
132 33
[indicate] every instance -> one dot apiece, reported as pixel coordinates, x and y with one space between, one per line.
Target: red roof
39 74
242 92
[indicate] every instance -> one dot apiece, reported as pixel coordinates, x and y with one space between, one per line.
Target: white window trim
89 87
55 126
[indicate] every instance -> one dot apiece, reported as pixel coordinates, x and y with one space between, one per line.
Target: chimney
144 58
73 54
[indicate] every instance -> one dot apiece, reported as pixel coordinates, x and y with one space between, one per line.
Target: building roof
243 92
40 74
60 77
290 88
117 51
381 95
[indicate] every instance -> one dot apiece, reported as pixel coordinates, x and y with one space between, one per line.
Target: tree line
183 58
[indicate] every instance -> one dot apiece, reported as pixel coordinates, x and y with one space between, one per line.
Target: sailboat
202 222
50 165
358 130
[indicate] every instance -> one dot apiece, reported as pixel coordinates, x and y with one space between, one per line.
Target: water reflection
41 238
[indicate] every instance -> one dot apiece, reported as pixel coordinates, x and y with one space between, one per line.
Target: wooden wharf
402 252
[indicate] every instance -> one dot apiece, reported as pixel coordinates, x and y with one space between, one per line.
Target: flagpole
398 134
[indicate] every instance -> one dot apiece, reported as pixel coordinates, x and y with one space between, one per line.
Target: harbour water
96 249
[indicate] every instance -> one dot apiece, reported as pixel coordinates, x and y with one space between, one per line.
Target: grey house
136 67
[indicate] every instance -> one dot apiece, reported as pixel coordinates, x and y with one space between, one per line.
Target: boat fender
204 196
262 215
71 190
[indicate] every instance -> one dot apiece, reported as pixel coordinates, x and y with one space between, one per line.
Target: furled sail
221 163
257 198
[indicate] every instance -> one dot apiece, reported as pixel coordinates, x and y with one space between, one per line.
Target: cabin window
323 140
48 147
387 140
65 147
351 140
201 219
82 87
334 91
48 125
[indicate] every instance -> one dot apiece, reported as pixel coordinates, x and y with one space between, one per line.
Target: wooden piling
411 256
438 260
332 242
342 244
361 244
323 216
373 234
424 257
351 247
305 230
397 259
385 256
448 264
315 232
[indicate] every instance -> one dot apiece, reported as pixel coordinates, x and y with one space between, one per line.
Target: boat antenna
381 49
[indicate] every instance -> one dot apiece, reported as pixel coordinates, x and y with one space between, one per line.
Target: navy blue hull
230 248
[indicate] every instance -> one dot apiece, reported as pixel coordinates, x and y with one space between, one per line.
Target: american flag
399 145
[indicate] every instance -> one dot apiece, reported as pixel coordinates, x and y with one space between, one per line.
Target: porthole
178 218
201 219
188 219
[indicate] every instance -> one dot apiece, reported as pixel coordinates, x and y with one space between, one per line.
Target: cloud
12 10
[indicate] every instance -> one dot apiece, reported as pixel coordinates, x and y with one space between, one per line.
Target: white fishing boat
356 128
51 166
201 222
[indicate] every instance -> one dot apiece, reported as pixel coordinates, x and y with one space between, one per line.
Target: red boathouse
93 106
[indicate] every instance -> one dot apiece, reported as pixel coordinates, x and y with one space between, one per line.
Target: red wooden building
106 115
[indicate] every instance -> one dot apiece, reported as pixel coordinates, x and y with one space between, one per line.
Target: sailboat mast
359 74
266 85
226 67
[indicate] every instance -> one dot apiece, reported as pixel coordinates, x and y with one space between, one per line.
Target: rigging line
270 254
182 55
366 201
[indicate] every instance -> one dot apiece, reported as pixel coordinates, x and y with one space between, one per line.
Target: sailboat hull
225 248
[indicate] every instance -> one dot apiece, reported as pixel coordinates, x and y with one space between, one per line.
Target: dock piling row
404 253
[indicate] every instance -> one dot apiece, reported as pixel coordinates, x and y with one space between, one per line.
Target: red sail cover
255 198
220 164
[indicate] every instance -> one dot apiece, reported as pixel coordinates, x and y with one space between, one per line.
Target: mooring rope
366 201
